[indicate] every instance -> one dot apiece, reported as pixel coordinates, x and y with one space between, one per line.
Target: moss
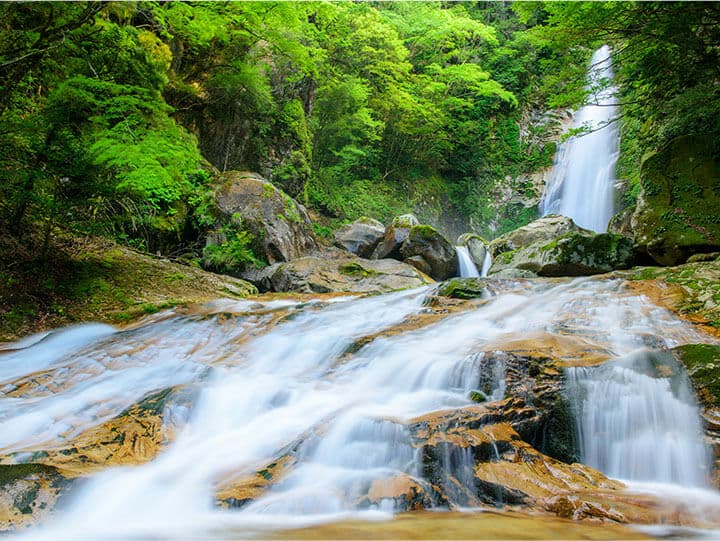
10 473
268 190
477 396
463 288
702 362
424 232
357 270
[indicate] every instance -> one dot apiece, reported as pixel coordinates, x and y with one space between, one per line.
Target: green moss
268 190
424 232
463 288
477 396
702 362
10 473
357 270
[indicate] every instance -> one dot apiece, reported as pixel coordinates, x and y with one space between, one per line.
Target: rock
704 258
543 230
280 226
514 274
621 223
341 273
477 247
427 242
678 211
28 494
419 263
360 237
395 235
406 492
464 288
573 254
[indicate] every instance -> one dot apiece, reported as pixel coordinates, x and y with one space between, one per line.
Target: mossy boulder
464 288
542 230
360 237
427 242
573 254
395 234
678 211
279 226
477 247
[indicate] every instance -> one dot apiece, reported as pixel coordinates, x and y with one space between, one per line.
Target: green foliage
233 255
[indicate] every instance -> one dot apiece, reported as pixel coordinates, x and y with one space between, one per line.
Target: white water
297 383
637 426
466 265
581 182
487 263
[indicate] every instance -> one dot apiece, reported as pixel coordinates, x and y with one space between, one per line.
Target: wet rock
541 231
428 243
573 254
395 235
360 237
477 247
280 227
28 493
678 208
340 273
404 491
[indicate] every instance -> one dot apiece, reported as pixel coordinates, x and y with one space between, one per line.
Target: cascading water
466 266
637 424
581 182
330 388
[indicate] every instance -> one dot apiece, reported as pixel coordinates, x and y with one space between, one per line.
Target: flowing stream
581 182
336 382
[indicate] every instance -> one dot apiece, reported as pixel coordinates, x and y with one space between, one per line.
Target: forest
117 118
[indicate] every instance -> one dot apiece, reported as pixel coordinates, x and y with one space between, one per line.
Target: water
487 263
637 425
466 265
581 182
336 382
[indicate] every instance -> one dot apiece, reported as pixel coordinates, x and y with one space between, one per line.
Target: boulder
477 247
339 272
280 227
573 254
395 235
464 288
678 211
360 237
428 243
543 230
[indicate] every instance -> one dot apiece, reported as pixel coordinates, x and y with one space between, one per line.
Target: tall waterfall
581 182
466 265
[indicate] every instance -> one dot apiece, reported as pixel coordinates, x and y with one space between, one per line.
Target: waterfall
333 386
487 263
466 265
635 424
581 182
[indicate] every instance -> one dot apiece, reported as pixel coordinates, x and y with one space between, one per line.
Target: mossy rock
678 211
395 235
572 254
702 362
464 288
427 242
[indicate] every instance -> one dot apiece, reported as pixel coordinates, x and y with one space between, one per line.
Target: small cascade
487 263
581 182
466 266
637 424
